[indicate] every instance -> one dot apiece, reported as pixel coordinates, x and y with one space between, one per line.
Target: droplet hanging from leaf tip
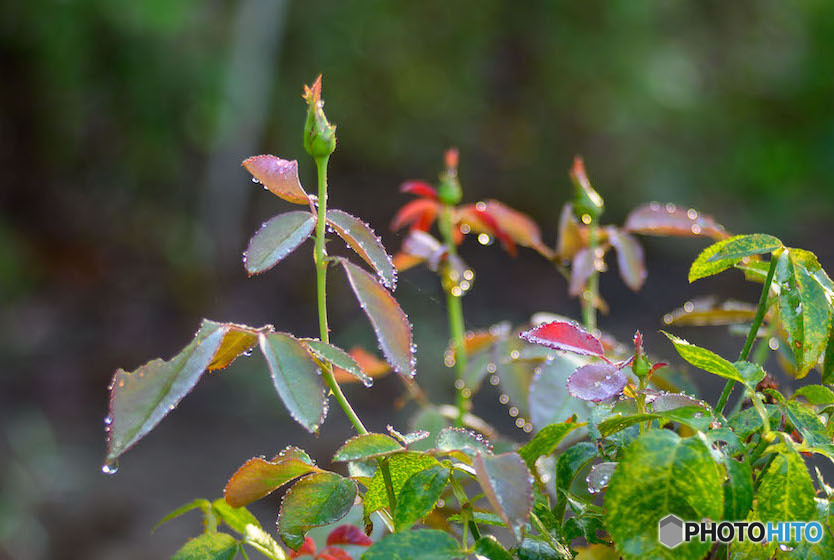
110 467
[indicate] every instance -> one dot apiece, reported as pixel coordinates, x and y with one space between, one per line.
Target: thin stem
751 336
590 295
457 328
321 285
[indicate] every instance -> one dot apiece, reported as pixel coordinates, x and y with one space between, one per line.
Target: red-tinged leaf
338 358
139 400
419 214
581 269
597 382
362 239
403 261
478 219
308 549
372 366
333 553
258 477
668 219
515 225
419 188
572 238
348 534
276 239
296 377
629 258
569 337
390 324
279 176
508 485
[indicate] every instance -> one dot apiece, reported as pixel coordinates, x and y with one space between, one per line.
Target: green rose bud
448 189
587 202
319 134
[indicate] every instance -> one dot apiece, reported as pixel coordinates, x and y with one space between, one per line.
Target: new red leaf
348 534
668 219
279 176
419 214
561 335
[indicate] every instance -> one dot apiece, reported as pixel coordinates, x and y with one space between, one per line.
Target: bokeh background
124 210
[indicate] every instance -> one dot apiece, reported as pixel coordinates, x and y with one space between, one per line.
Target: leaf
508 486
630 259
569 337
581 269
738 490
401 467
694 417
804 309
741 246
489 547
425 544
545 441
348 534
816 394
703 266
419 214
338 358
238 340
390 324
747 421
276 239
199 503
568 466
496 218
571 239
670 401
365 446
537 548
707 312
362 239
208 546
704 359
258 478
459 439
654 479
599 476
786 492
315 500
418 496
597 382
296 377
368 363
810 427
549 402
236 518
260 540
279 176
668 219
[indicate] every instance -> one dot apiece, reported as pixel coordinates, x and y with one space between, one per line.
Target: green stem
751 336
321 285
457 326
590 295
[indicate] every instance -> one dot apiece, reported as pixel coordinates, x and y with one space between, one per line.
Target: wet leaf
549 402
368 363
704 359
671 401
419 214
597 382
741 246
276 239
502 219
816 394
747 421
786 492
599 476
401 467
260 540
258 477
568 466
668 219
814 435
348 534
707 312
279 176
546 441
694 417
654 479
630 258
365 446
424 544
208 546
565 336
338 358
738 489
459 439
238 340
296 377
418 496
390 324
508 486
362 239
237 518
315 500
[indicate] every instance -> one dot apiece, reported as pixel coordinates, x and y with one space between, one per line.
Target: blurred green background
124 210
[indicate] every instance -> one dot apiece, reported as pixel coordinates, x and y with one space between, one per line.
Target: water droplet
108 420
519 423
110 467
654 206
692 214
255 180
773 343
513 411
459 384
503 399
514 354
689 307
491 368
494 380
696 229
480 206
670 208
586 219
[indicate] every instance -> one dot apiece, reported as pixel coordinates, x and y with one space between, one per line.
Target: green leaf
415 545
659 474
390 324
199 503
740 246
362 239
827 371
490 548
296 377
568 466
235 517
260 540
804 310
365 446
208 546
508 486
747 421
815 394
786 492
339 358
481 518
418 495
459 439
537 548
401 467
546 441
704 359
808 424
694 417
751 373
738 490
258 478
276 239
315 500
701 267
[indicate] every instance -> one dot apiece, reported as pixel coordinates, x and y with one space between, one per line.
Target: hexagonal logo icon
670 531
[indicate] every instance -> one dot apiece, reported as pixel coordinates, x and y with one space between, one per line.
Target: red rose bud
319 134
641 366
449 190
587 202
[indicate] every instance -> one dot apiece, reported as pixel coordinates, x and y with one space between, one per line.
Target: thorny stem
457 327
751 336
321 284
590 295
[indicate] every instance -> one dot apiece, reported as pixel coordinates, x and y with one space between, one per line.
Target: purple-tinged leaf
362 239
629 258
597 382
581 269
279 176
390 324
569 337
508 485
276 239
296 377
258 477
668 219
662 402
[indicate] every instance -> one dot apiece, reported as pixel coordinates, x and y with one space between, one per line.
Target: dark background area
124 210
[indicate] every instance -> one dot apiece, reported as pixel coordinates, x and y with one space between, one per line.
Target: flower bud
641 366
448 189
587 202
319 134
